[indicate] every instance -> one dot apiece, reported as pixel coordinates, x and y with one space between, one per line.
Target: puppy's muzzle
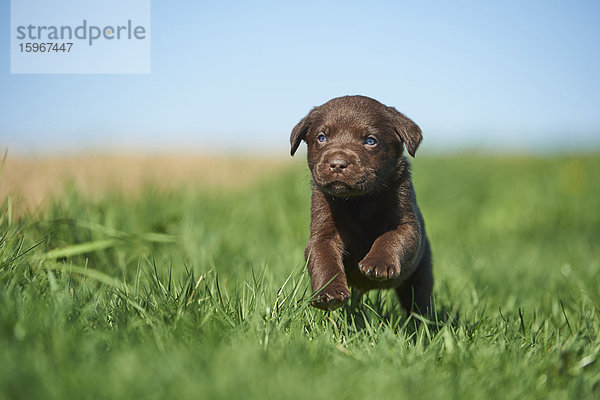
339 173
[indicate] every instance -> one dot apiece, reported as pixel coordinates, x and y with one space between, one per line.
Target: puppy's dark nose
338 164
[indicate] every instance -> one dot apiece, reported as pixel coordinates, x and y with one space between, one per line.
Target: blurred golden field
30 181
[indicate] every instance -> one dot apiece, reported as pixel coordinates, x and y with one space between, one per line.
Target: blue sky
504 76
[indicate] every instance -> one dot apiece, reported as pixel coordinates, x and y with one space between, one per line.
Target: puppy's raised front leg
391 252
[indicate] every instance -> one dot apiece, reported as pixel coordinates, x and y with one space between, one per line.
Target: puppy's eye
322 138
370 141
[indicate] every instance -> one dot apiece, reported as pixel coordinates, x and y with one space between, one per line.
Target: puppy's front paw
377 268
331 297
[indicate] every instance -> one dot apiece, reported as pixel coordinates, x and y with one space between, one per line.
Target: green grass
203 294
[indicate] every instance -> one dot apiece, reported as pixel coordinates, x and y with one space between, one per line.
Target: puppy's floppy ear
409 132
299 132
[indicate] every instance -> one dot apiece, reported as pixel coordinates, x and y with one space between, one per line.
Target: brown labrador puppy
366 230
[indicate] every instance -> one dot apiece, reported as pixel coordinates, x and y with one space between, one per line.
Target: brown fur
366 229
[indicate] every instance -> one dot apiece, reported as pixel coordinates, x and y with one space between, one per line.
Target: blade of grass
81 248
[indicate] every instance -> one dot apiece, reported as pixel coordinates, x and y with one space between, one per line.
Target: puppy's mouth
341 188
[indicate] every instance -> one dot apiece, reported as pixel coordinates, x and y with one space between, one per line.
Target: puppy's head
355 144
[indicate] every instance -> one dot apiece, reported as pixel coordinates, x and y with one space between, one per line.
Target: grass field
199 291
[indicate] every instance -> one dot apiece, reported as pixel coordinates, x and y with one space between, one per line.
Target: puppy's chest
360 224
